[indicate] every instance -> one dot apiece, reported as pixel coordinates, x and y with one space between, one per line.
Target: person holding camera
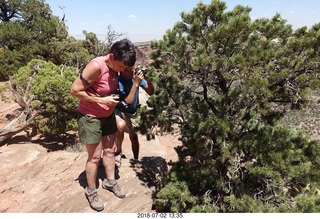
97 125
129 83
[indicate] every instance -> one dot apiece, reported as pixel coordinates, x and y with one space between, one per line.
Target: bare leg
110 183
134 144
94 156
108 155
121 124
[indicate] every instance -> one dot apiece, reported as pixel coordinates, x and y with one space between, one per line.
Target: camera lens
137 69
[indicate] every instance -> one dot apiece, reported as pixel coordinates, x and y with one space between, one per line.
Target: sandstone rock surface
35 180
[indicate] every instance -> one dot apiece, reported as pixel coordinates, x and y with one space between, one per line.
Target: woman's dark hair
123 50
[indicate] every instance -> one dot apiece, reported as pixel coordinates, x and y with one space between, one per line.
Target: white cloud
292 12
132 16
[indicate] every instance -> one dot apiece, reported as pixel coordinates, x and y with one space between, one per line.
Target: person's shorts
126 117
91 129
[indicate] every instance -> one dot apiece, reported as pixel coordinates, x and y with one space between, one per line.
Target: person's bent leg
133 137
121 124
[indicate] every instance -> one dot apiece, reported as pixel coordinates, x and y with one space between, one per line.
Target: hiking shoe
95 202
116 189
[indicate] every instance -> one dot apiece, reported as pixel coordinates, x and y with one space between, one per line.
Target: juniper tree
226 81
42 90
29 30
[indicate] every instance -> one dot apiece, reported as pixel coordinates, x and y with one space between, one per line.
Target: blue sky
143 20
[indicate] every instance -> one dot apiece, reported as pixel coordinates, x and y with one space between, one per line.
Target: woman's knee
94 159
121 125
109 151
94 152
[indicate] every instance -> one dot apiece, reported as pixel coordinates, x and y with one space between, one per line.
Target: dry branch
25 118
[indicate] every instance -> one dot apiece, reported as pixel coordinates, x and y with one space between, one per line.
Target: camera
137 69
123 106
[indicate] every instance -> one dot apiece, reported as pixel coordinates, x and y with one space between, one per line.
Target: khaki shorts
91 129
126 117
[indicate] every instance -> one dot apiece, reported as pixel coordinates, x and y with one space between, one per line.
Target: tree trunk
25 118
21 123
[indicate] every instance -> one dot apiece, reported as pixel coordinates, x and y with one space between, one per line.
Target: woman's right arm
79 87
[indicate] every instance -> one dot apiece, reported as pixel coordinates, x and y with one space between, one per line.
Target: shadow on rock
56 142
150 170
15 140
